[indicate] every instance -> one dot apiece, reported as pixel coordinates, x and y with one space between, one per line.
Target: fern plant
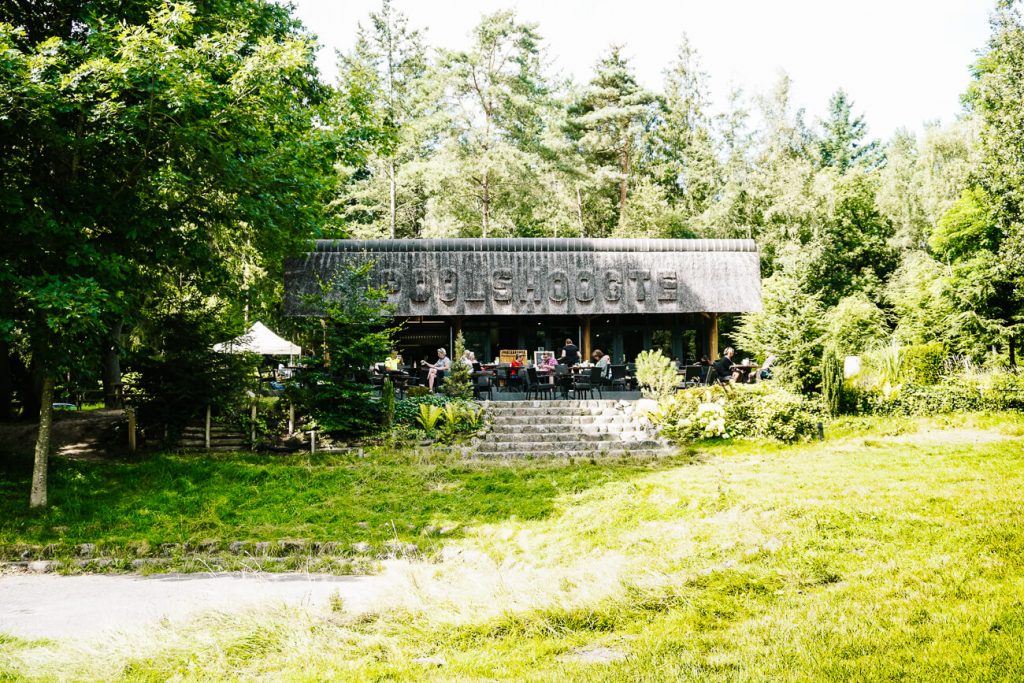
429 417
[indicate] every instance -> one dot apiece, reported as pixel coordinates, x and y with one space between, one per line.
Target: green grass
895 550
167 498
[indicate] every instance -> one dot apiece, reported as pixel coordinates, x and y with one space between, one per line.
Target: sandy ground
92 606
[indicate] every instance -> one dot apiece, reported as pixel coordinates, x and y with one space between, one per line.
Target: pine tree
843 144
609 121
459 382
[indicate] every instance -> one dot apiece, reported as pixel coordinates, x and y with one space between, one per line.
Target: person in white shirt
443 364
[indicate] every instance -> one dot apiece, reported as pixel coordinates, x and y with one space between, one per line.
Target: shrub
656 374
922 363
854 323
763 411
960 394
418 391
408 408
832 381
429 416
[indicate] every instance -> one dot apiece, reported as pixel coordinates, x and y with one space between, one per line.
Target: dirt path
91 606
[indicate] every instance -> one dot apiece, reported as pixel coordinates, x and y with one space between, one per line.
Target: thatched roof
542 276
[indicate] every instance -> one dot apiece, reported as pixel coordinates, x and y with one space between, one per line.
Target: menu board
509 355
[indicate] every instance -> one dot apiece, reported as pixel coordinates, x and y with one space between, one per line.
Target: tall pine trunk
6 382
112 368
486 202
39 486
623 189
394 197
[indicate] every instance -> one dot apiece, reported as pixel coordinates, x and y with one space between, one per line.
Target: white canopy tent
259 339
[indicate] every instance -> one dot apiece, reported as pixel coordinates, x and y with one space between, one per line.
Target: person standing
570 354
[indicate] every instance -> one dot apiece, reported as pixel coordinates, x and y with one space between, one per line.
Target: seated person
440 367
514 366
570 354
393 362
723 366
467 359
765 371
603 361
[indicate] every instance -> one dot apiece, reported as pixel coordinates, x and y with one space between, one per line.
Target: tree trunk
486 202
112 369
394 197
623 189
38 497
579 211
6 382
31 391
1013 353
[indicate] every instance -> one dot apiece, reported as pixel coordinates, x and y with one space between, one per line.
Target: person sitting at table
467 359
440 367
765 371
570 354
548 363
723 367
603 361
393 362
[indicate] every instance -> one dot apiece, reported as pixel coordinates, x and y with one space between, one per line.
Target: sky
903 62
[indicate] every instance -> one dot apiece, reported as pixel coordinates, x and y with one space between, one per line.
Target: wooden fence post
207 427
252 430
131 429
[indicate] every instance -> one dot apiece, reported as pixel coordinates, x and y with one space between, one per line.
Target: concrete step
563 437
611 450
568 446
552 403
512 420
609 427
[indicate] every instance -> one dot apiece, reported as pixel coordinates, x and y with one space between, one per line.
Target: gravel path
90 606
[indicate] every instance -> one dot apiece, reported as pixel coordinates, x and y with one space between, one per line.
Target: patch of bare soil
88 434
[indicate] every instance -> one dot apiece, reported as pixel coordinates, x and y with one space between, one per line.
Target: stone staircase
566 429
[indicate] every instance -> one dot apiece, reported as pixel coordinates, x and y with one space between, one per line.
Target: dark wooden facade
618 295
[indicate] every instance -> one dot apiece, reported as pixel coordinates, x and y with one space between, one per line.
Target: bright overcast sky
904 62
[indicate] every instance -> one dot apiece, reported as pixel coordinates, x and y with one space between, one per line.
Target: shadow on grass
173 498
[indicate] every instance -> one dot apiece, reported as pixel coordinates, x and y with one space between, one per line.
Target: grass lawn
894 550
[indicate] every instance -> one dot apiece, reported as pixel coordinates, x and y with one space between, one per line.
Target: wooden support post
713 338
585 340
131 429
291 419
312 441
207 427
252 429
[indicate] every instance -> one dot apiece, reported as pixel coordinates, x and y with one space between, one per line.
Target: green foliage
656 374
832 381
854 324
791 327
354 332
967 227
923 363
428 417
176 384
418 392
764 411
843 144
387 403
458 382
408 409
460 419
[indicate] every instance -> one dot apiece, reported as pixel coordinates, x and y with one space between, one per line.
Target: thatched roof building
645 285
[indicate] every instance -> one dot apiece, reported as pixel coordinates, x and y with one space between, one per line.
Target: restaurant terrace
618 295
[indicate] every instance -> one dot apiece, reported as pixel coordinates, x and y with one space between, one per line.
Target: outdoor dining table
744 371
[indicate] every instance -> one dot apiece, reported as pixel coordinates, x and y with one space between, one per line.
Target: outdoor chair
563 380
618 379
692 376
535 386
501 375
597 379
516 378
483 384
582 383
